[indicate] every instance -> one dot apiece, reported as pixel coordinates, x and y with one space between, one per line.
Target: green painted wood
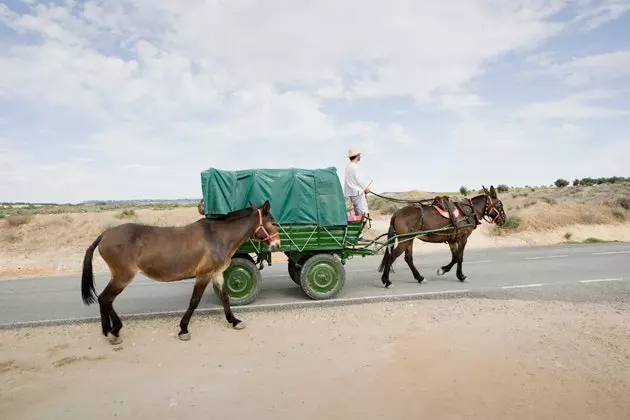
303 238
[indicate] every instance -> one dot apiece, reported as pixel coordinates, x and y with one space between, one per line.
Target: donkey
202 250
422 217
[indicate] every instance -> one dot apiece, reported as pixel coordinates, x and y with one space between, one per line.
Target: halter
262 227
488 209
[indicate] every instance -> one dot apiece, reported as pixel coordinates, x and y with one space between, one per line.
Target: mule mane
236 214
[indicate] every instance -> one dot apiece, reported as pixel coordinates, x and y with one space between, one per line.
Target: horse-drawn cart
316 233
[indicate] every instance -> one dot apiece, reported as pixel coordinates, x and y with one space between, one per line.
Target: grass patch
18 220
590 240
512 223
127 214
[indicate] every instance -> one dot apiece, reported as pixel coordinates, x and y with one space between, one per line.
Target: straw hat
353 152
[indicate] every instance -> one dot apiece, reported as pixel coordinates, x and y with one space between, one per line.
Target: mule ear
485 190
265 207
493 192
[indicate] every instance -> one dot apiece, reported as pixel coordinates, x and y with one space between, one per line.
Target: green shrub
561 183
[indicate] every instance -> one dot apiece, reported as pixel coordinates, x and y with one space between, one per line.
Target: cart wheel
294 272
242 281
322 277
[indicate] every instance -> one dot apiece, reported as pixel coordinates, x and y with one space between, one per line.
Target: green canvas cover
304 196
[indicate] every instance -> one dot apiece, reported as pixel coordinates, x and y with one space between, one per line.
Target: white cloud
589 70
160 90
595 13
573 107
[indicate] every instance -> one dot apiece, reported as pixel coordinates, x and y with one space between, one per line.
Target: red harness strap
262 227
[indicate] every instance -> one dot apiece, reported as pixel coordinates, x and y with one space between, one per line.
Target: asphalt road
576 272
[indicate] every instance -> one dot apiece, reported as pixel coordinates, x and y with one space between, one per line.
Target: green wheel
242 281
322 277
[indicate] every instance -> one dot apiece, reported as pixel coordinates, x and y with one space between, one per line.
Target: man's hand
366 190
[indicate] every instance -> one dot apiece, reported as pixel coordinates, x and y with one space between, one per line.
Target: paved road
575 272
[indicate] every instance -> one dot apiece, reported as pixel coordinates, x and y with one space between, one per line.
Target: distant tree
502 188
560 183
576 182
463 191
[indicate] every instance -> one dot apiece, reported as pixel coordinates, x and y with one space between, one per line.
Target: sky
132 100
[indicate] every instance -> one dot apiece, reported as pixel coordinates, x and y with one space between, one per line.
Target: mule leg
460 259
106 300
397 252
454 258
200 287
409 261
217 284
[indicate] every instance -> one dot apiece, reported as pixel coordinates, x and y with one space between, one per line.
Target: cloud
143 95
589 70
578 106
595 13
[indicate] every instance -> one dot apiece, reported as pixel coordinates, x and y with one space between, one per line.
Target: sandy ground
453 359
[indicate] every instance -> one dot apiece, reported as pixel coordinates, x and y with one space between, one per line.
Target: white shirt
352 186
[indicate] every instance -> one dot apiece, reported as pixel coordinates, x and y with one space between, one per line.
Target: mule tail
389 249
88 292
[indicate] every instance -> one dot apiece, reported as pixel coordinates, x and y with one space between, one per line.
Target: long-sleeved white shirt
352 185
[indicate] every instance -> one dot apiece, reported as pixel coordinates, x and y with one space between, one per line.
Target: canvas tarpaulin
312 196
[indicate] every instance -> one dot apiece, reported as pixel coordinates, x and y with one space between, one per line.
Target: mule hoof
420 280
239 326
113 339
388 285
462 278
440 271
184 337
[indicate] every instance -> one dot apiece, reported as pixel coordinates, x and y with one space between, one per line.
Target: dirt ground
435 359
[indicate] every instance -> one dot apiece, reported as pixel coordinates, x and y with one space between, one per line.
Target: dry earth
453 359
45 244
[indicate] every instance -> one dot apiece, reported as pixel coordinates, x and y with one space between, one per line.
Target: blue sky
123 100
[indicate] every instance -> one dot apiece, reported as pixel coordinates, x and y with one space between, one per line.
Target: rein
262 227
426 201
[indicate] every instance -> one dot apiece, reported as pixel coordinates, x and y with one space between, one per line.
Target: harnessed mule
464 216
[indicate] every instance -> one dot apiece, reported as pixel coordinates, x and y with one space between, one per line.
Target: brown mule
200 250
421 217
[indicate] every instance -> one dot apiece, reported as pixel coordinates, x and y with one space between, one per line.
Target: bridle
262 227
487 209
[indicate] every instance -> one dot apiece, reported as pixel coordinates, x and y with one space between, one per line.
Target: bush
624 202
18 220
561 183
619 216
127 214
463 191
576 182
502 188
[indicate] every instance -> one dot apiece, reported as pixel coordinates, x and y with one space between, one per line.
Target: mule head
494 207
267 229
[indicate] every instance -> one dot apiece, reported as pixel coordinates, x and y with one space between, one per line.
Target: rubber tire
323 260
256 277
294 272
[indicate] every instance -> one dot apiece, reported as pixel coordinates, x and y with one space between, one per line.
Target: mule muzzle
274 245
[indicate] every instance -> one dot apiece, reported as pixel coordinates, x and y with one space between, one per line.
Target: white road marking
518 286
599 280
610 253
307 303
545 257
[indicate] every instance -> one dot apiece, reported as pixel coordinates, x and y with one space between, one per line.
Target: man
353 187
